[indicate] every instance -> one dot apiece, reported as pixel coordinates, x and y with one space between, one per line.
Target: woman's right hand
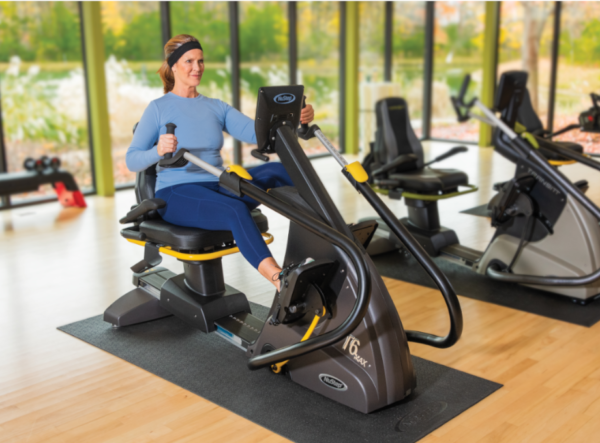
166 143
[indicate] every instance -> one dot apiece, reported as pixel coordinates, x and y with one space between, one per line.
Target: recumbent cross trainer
335 330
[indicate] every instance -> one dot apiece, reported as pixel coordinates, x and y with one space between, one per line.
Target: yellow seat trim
239 170
357 172
200 257
561 162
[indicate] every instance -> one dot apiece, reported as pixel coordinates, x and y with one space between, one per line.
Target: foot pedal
296 282
364 231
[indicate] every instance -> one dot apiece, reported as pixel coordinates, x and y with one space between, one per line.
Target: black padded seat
192 239
430 180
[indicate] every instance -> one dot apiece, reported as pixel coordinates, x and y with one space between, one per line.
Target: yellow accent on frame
276 368
200 257
239 170
357 172
519 128
531 139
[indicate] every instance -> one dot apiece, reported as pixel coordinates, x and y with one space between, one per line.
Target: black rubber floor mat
480 211
214 369
469 284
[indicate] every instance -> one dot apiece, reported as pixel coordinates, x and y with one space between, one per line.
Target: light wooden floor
59 266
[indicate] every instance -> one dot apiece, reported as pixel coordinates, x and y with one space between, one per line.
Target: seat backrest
509 95
508 99
145 183
395 135
527 115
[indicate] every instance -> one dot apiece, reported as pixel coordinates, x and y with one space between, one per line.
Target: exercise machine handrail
320 229
439 278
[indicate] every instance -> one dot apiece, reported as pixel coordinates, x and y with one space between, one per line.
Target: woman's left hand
307 115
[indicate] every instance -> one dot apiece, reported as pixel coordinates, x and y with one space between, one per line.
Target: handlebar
170 130
464 87
458 103
304 126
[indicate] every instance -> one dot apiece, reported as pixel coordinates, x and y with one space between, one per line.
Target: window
42 87
370 68
525 43
264 59
458 50
409 57
319 65
133 44
578 69
209 23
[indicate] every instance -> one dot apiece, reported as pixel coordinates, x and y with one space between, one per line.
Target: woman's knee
274 175
238 212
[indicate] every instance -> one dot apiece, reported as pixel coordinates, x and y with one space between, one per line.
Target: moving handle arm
359 180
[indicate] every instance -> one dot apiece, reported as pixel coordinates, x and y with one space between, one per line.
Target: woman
194 197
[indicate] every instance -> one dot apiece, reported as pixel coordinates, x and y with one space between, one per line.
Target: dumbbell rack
40 172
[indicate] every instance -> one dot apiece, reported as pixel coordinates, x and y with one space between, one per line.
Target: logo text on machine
284 98
352 344
333 382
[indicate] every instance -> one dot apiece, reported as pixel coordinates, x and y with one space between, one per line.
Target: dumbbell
29 164
39 164
34 165
53 162
45 161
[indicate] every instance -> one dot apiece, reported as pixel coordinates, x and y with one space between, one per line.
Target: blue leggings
206 205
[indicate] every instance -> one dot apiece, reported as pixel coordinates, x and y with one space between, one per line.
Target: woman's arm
241 127
142 153
238 125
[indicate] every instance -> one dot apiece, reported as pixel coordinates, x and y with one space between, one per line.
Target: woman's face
189 68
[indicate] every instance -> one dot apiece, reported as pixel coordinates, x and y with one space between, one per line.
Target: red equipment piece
69 198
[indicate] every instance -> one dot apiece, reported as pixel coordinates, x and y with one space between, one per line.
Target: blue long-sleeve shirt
200 124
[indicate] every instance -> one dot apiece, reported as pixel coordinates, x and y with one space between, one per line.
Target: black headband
176 55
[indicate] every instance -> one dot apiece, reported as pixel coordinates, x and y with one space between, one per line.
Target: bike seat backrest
527 115
509 95
145 182
395 135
